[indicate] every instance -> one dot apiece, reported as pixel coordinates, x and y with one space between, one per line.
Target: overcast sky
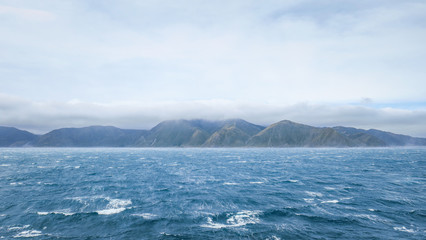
134 63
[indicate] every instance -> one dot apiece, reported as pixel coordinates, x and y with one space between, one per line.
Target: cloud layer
41 117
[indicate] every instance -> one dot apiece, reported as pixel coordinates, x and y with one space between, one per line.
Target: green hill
203 133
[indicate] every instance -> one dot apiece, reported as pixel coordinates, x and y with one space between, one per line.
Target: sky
135 63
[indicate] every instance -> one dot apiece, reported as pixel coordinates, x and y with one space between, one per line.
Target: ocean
200 193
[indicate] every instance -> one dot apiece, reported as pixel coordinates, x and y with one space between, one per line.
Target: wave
330 201
18 228
95 204
111 211
43 167
238 219
148 216
273 238
285 212
28 234
314 194
404 229
16 183
370 217
56 212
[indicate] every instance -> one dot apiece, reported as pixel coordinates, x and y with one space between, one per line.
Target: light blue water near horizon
185 193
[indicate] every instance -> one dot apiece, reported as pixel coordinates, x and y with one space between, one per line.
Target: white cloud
41 117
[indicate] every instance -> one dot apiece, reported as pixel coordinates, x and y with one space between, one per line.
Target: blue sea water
106 193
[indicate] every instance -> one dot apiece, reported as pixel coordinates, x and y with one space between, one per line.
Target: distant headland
204 133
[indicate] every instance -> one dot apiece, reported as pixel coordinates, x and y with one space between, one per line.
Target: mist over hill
204 133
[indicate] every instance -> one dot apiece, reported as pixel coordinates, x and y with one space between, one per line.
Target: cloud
274 52
136 63
41 117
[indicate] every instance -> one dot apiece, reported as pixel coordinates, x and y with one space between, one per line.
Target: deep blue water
213 193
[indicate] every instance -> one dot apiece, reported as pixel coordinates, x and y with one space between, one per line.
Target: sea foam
110 211
404 229
145 215
28 234
239 219
330 201
314 194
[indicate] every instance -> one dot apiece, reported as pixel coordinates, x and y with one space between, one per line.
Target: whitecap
18 228
330 201
293 181
110 211
243 218
145 215
115 206
110 205
5 165
28 234
329 188
256 182
372 210
230 183
314 194
211 224
77 167
15 183
367 216
118 202
239 219
404 229
273 238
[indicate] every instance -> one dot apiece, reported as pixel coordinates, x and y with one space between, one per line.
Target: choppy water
213 193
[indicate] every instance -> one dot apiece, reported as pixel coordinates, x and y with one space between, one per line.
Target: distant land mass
204 133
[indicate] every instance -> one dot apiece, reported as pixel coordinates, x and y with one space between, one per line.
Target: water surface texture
213 193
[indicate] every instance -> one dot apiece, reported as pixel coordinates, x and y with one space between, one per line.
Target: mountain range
204 133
